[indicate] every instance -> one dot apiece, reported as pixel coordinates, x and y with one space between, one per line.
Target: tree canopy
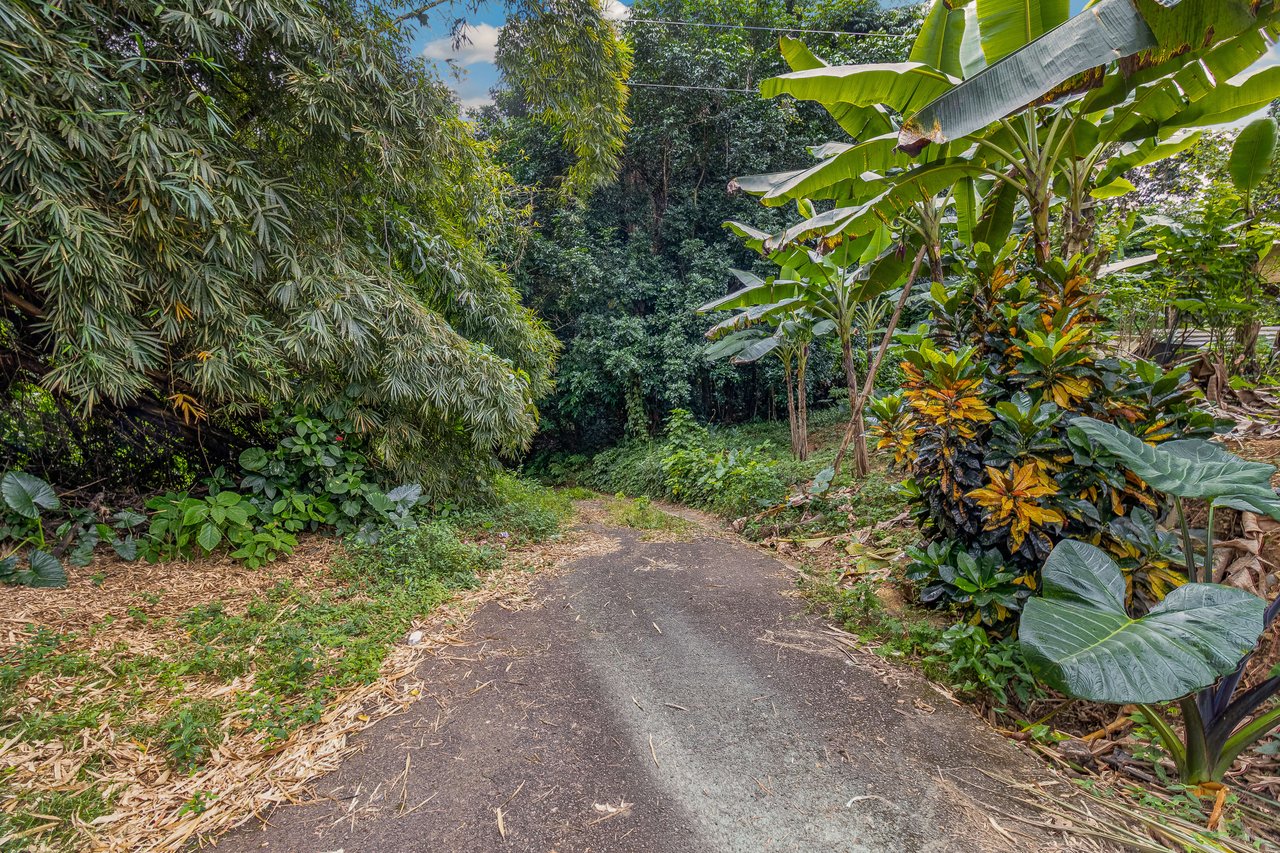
620 278
210 207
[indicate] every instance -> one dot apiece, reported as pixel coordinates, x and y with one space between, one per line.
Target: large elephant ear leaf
27 495
46 571
1189 468
1079 639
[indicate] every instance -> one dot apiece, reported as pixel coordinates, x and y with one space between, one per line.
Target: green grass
290 650
522 509
55 810
641 514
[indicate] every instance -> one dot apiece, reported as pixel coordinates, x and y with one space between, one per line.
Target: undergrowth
732 471
224 666
641 514
961 656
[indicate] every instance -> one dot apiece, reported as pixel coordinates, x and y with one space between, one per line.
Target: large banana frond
1200 42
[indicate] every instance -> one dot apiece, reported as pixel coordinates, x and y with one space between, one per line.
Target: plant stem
1168 737
1208 547
1189 555
1198 767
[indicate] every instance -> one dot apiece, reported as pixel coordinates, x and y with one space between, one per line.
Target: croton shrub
981 426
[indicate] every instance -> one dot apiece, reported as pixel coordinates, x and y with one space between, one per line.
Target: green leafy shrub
558 468
318 475
968 659
183 526
633 468
21 526
976 582
731 481
429 554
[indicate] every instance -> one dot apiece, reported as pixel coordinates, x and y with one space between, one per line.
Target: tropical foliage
984 428
1193 646
619 278
208 208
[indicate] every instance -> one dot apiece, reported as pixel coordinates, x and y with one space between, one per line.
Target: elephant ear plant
1193 646
22 497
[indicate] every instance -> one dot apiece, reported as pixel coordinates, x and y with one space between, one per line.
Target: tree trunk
858 403
1040 229
791 406
855 433
802 401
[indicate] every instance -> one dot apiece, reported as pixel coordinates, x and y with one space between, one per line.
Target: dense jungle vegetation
1015 300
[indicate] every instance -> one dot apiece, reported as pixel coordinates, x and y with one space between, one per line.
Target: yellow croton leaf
1069 390
1012 499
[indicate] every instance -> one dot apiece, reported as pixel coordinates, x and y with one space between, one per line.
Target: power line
695 88
767 29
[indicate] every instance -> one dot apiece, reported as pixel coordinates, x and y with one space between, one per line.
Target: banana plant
1193 646
1011 100
741 341
827 286
1156 40
1120 81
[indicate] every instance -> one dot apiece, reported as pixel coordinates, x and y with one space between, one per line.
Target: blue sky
470 69
471 72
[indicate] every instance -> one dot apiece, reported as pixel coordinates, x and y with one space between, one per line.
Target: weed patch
641 514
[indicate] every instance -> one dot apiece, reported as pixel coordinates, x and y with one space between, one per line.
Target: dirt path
665 696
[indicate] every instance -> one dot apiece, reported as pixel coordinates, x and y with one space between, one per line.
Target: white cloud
475 103
616 11
480 45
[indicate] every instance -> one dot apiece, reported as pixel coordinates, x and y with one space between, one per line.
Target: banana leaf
941 37
841 176
1108 30
903 87
1007 25
857 121
1252 155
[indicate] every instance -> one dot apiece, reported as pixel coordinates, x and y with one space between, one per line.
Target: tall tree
208 207
618 280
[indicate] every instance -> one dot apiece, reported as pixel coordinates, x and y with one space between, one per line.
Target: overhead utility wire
698 88
767 29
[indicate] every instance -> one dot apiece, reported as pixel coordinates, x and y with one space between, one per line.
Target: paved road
666 696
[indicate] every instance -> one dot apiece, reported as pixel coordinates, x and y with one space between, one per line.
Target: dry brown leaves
246 774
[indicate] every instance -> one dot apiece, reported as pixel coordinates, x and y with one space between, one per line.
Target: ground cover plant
151 685
641 514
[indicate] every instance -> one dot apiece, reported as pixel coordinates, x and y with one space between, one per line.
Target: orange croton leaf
1012 500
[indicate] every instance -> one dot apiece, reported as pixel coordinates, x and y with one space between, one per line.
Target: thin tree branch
421 10
856 407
